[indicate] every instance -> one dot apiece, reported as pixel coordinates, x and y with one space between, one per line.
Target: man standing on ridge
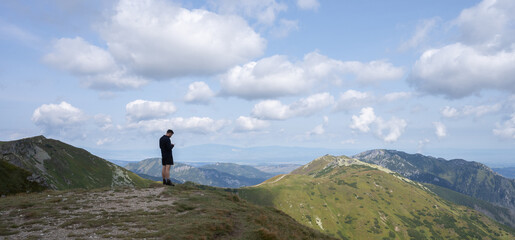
166 156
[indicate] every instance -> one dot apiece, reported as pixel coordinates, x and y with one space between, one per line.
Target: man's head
169 133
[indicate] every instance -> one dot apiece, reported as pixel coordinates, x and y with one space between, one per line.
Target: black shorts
167 161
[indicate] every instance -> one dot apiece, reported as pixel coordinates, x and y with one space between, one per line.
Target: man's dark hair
169 131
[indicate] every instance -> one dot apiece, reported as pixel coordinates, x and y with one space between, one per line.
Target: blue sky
435 77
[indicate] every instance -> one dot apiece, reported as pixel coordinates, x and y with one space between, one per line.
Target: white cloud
275 110
264 11
62 119
198 125
319 129
440 129
95 66
449 112
363 121
421 32
351 99
468 110
308 4
506 129
103 121
482 59
459 70
284 28
489 24
394 96
160 40
388 131
199 92
276 76
143 110
249 124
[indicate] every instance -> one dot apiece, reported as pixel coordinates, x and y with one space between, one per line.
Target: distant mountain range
508 172
351 199
37 163
219 174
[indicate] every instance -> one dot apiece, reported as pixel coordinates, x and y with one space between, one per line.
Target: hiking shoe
169 183
164 182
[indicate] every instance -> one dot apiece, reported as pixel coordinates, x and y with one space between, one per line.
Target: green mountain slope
186 211
56 165
470 178
205 176
350 199
498 213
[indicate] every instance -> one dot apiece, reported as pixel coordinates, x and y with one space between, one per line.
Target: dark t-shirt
166 150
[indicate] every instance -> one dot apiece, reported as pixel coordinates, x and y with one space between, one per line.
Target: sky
432 77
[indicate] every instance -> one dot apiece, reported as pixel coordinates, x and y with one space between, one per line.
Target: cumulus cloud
103 121
506 129
388 131
62 119
440 129
199 92
481 60
459 70
143 110
351 99
308 4
198 125
95 66
160 40
157 40
364 120
263 11
250 124
275 110
276 76
319 129
468 110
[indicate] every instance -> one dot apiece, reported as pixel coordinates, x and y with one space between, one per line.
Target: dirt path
79 214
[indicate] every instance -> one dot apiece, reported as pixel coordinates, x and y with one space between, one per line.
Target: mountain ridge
56 165
351 199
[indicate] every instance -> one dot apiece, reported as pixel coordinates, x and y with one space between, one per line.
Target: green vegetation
349 199
498 213
57 165
187 211
14 179
470 178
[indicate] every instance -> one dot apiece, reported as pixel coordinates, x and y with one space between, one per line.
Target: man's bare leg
167 171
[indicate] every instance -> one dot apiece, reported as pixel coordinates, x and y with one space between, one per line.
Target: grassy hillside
470 178
350 199
498 213
57 165
14 180
186 211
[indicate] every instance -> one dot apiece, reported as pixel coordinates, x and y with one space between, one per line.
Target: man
166 156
